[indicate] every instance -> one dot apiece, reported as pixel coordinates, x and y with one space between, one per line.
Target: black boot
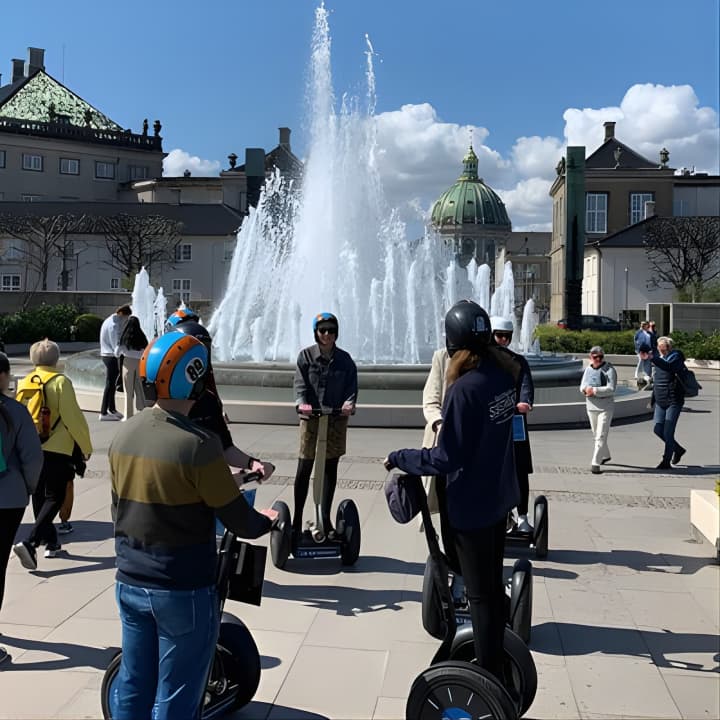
300 492
664 465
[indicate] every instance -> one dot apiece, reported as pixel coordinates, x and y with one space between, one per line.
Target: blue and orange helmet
324 318
174 365
180 315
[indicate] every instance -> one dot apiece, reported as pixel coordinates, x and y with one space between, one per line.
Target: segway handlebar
319 411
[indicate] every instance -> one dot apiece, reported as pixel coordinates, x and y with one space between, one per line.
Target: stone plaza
626 605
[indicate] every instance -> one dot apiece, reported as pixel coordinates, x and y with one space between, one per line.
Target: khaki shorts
337 431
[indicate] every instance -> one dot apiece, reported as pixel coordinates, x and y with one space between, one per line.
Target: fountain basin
390 395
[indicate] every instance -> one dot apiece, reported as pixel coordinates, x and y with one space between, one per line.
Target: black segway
453 687
315 541
518 597
537 539
234 673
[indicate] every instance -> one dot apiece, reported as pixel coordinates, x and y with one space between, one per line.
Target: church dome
469 201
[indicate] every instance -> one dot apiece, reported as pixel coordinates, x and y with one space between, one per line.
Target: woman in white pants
598 386
132 344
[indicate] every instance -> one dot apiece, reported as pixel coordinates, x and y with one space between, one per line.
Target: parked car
594 322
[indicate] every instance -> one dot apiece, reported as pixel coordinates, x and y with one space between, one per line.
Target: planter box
705 518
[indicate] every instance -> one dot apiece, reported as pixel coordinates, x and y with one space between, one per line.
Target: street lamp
627 275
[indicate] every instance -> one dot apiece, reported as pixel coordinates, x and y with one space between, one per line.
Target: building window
68 280
104 170
181 288
69 166
13 250
637 206
596 212
10 282
32 162
183 252
2 158
139 172
30 198
115 283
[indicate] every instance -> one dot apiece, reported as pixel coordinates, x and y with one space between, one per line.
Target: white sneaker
108 417
117 413
524 525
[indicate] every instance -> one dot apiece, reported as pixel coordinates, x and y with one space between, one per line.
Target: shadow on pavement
89 563
72 656
347 601
83 531
633 559
558 638
268 711
365 564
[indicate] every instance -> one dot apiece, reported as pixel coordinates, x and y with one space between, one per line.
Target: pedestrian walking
642 340
169 480
475 452
50 398
130 349
668 398
598 385
21 460
110 332
325 377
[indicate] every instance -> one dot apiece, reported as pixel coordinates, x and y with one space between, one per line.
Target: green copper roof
469 201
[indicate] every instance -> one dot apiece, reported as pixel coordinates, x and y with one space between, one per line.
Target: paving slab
626 606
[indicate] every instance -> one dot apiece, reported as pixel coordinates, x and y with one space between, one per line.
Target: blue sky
528 76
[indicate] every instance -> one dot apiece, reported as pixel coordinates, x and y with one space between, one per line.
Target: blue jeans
168 641
665 420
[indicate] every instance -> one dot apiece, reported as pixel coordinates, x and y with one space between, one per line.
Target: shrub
51 321
87 327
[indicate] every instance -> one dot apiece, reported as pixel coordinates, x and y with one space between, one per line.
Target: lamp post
627 275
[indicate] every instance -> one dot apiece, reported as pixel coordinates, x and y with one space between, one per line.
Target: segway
315 542
453 686
538 537
518 600
234 673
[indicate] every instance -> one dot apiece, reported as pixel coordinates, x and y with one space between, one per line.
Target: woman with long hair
132 343
474 451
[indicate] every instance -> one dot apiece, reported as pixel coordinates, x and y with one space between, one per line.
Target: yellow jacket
72 427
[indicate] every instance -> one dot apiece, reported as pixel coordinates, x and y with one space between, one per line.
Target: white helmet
501 324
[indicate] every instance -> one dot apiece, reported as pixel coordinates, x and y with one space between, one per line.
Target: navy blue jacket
666 390
323 381
474 449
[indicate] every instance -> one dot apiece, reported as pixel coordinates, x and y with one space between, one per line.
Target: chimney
609 130
18 70
649 209
285 138
35 61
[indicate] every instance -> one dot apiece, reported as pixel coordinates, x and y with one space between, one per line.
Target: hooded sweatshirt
604 380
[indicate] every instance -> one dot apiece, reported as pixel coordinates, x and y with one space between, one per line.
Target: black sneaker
677 455
664 465
26 554
52 551
595 469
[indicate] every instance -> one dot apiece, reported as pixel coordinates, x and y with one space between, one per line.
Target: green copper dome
469 201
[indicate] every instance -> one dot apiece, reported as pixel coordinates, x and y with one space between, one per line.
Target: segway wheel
432 616
281 535
454 689
521 673
239 662
108 682
347 523
521 587
540 534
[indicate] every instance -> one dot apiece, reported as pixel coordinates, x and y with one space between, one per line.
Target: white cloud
178 161
420 155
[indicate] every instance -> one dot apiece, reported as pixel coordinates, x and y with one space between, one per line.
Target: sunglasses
504 335
327 331
597 357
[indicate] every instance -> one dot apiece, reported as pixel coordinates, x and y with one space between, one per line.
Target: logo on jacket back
502 407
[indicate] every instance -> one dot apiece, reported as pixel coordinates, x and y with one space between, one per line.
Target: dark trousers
112 372
302 485
524 483
49 497
480 553
10 519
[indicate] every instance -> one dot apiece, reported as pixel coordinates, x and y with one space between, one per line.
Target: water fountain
148 305
334 244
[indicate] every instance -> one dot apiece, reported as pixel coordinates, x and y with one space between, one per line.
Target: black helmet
467 327
194 328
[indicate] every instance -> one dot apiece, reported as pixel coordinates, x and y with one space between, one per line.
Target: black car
594 322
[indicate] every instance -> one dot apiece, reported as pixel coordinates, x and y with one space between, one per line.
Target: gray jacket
604 379
22 452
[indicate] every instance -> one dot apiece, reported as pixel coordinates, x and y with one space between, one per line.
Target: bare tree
134 241
683 252
42 237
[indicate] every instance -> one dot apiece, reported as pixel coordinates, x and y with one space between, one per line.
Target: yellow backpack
31 393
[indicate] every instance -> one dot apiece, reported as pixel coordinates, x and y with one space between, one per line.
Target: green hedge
45 321
87 328
698 345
